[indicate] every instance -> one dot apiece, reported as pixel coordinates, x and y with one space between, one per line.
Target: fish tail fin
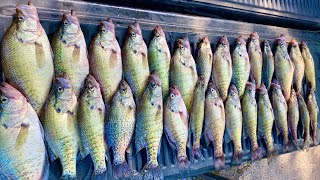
67 176
197 153
306 144
237 155
121 170
271 154
295 143
100 169
286 146
256 153
219 161
183 163
152 171
314 138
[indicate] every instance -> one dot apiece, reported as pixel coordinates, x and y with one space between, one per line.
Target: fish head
281 41
233 91
304 45
13 106
70 23
223 42
262 90
27 18
204 43
251 88
201 84
276 87
154 88
107 29
312 96
294 43
300 97
175 97
123 92
183 44
254 37
212 90
64 95
134 32
92 87
158 32
266 45
240 42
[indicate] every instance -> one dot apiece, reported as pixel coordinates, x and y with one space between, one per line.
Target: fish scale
255 57
299 65
268 65
293 116
309 65
204 59
305 119
313 113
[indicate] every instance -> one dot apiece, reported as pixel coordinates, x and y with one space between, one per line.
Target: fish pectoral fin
84 150
76 54
277 129
25 123
171 143
227 136
51 155
140 143
189 139
40 55
129 149
206 138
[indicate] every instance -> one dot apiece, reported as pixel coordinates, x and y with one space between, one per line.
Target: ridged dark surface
175 26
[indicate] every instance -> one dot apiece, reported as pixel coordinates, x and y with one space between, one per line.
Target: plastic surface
175 26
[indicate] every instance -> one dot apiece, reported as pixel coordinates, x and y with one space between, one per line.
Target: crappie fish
105 60
91 113
120 127
298 62
22 150
60 126
183 72
265 121
309 66
240 66
27 57
135 61
234 122
313 113
159 58
280 112
222 67
176 125
293 117
214 123
250 118
70 52
284 67
149 127
305 119
268 65
255 57
197 117
204 60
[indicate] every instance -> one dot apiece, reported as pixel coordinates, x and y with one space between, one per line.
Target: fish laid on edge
255 57
135 61
70 52
265 121
197 117
268 65
222 67
27 57
280 109
250 118
240 66
91 113
293 117
284 67
183 72
305 119
298 62
215 123
309 66
204 59
60 126
313 113
149 126
120 127
159 58
234 122
105 60
176 125
22 150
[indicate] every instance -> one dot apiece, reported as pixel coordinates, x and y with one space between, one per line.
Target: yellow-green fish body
305 119
293 116
27 57
313 113
265 121
240 66
309 66
268 65
120 128
204 60
135 61
22 150
149 126
105 60
284 68
280 108
255 57
234 122
91 113
214 123
250 118
60 126
222 67
298 62
159 58
70 52
197 116
176 125
183 72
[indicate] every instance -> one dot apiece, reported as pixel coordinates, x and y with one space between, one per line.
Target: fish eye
20 18
4 100
181 47
123 90
153 85
172 95
60 89
132 34
211 89
91 88
65 23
